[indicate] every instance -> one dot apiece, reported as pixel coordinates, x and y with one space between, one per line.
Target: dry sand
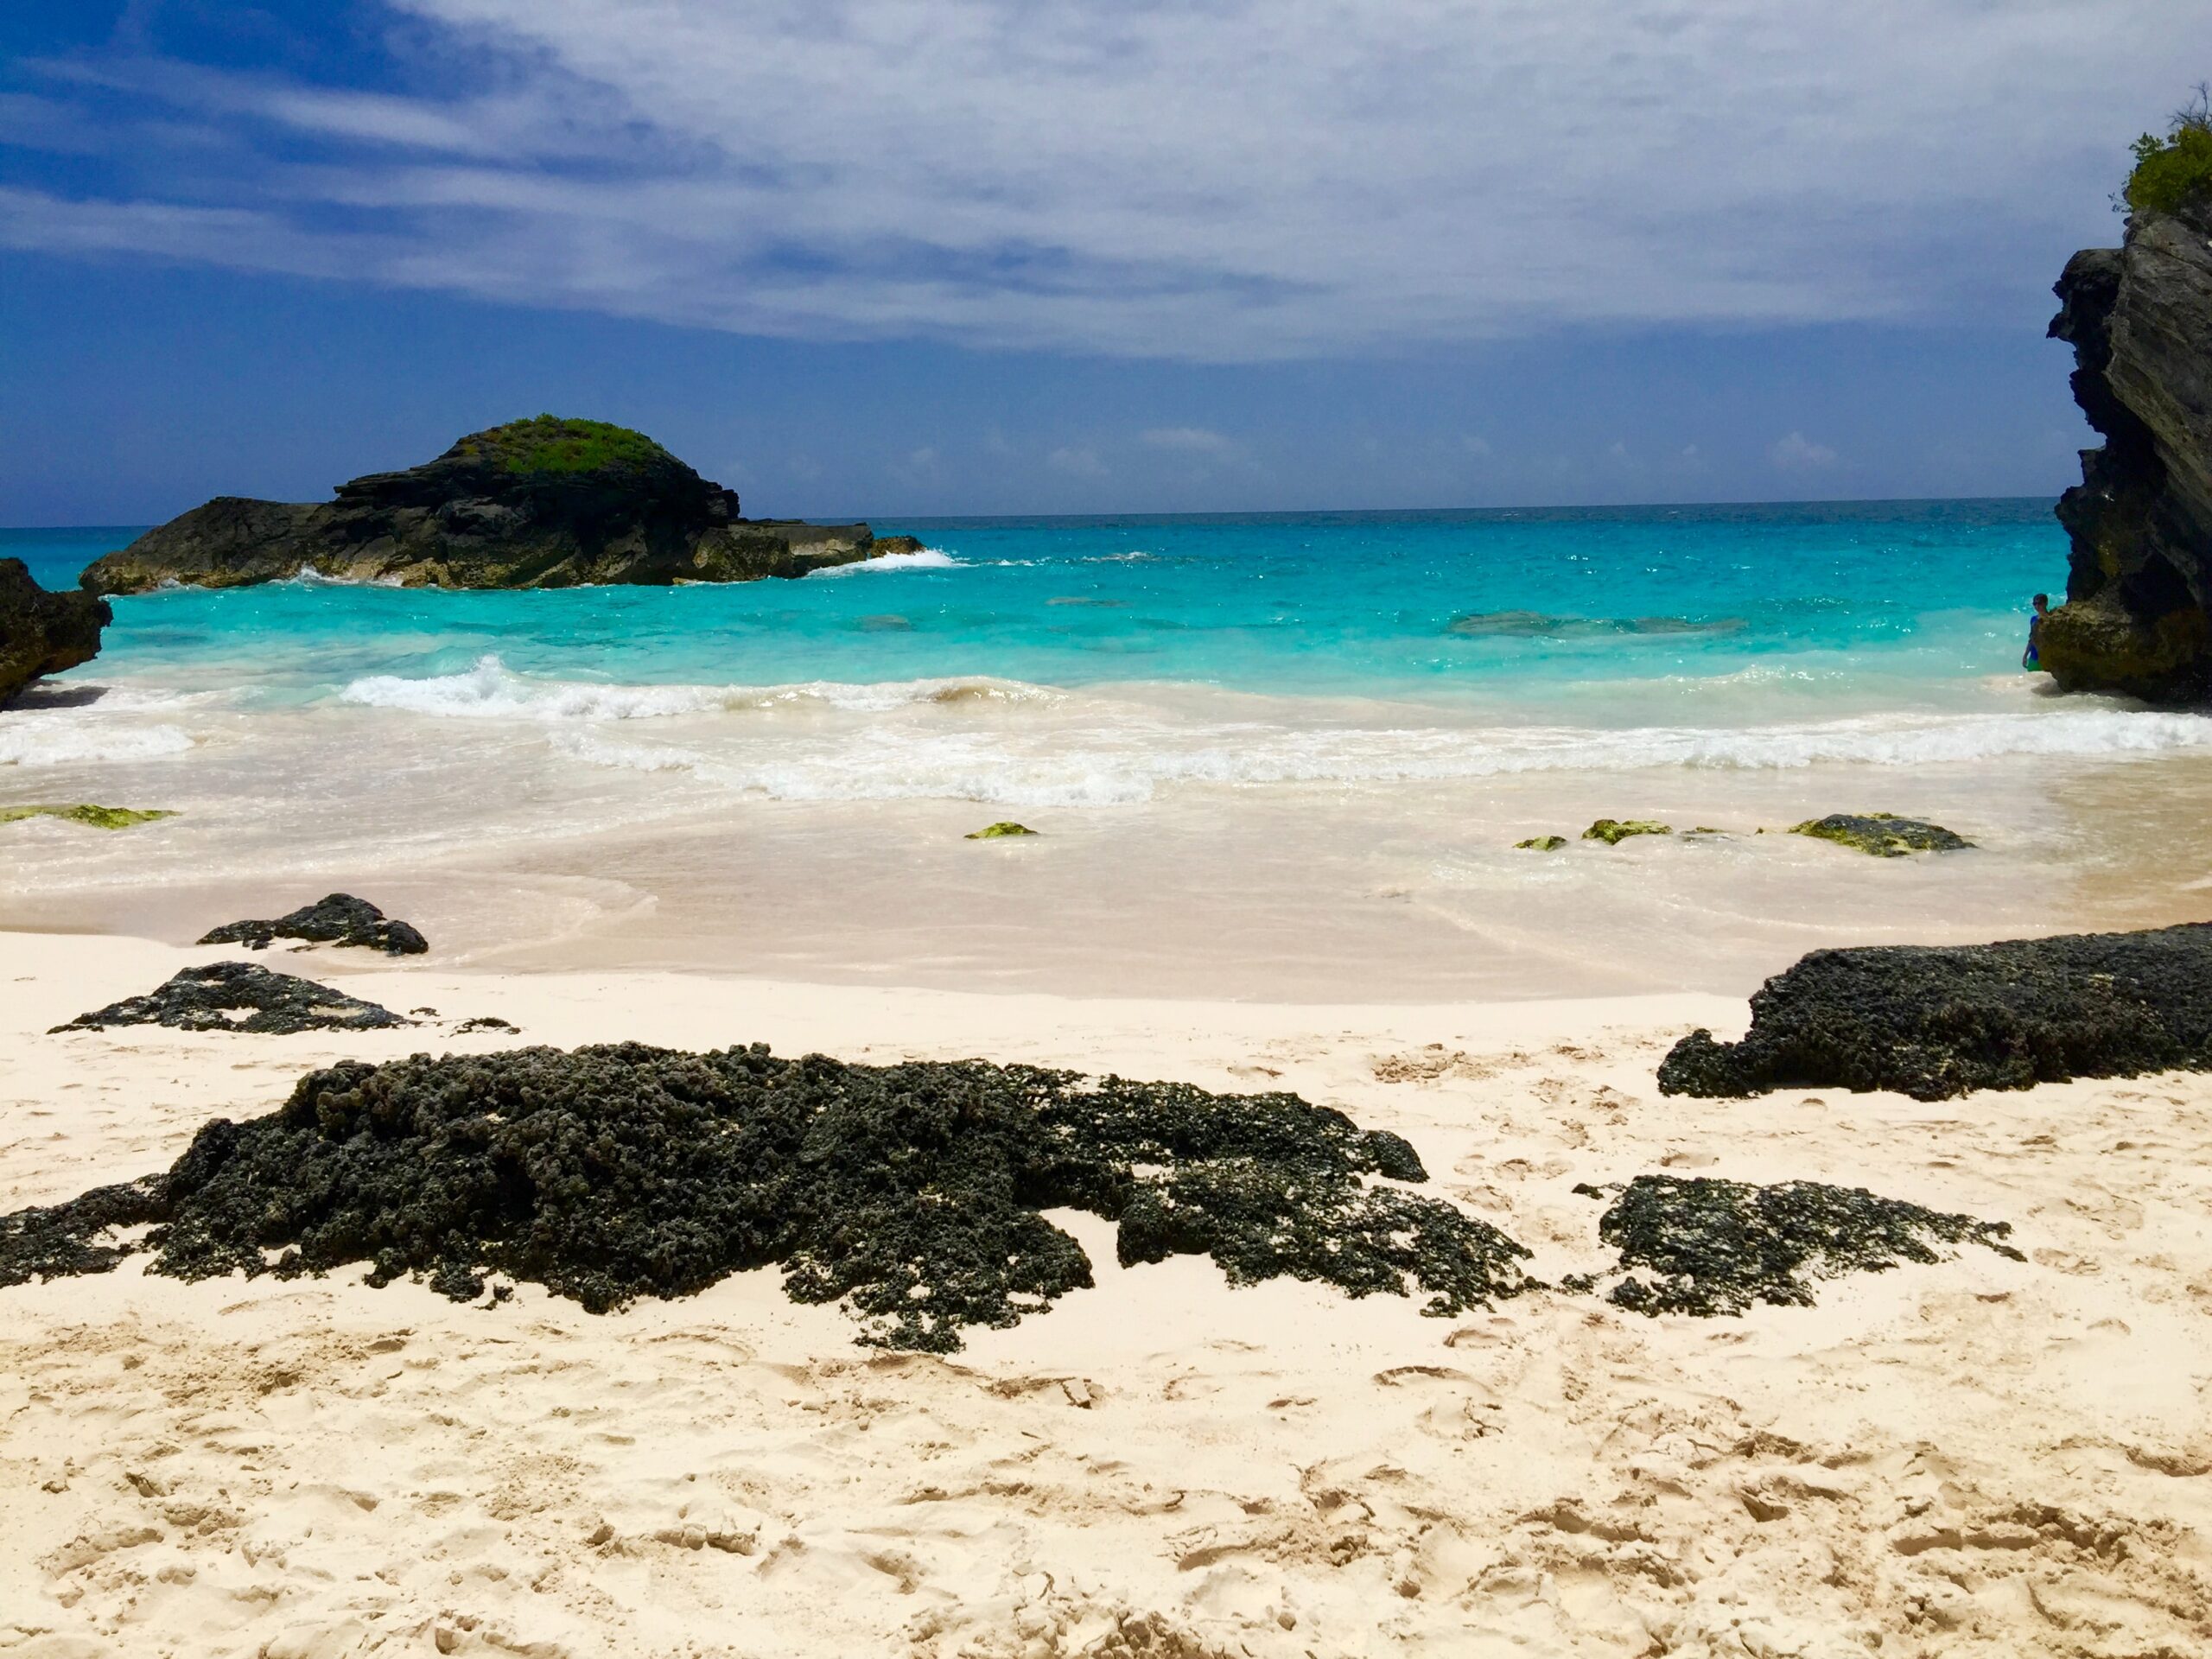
1980 1457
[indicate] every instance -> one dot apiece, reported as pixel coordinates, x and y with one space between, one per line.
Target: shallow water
1282 756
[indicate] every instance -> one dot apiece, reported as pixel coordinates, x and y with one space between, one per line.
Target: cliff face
43 632
535 504
2140 577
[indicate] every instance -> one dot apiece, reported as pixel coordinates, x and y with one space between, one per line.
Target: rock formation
340 919
543 503
240 996
2139 575
43 632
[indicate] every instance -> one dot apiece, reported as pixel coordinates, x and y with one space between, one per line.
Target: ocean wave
491 691
930 558
49 740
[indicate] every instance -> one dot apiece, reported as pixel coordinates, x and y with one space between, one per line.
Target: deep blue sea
1867 603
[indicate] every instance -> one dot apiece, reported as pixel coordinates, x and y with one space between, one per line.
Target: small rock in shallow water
1882 834
98 817
1613 832
340 919
1932 1022
240 996
910 1193
1541 843
999 831
1708 1247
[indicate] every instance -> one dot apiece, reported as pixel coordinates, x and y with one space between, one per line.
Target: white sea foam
51 738
929 558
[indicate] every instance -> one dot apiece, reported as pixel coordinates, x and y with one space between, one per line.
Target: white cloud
1077 462
1207 179
1795 452
1188 440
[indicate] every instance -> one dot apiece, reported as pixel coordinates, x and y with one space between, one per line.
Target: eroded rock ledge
542 503
43 632
2139 575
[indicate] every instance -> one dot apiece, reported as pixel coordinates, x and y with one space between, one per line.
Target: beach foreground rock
1884 834
43 632
340 919
909 1192
1935 1021
240 996
542 503
2139 574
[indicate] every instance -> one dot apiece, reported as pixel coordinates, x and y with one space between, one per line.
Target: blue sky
924 257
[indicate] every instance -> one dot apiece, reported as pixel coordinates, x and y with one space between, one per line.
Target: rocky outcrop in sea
2139 575
542 503
43 632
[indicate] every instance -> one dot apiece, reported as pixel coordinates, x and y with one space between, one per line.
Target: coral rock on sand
240 996
999 832
1933 1021
1710 1247
911 1193
1882 834
542 503
1541 843
43 632
1613 832
96 817
340 919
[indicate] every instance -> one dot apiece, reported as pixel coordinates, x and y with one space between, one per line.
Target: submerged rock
340 919
999 831
910 1193
1932 1022
83 812
240 996
542 503
1709 1247
43 632
1541 843
2139 572
1613 832
1882 834
1534 625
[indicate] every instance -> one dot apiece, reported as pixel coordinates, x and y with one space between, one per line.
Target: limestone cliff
2139 576
544 503
43 632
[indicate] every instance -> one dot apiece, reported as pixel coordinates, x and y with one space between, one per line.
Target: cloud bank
1201 180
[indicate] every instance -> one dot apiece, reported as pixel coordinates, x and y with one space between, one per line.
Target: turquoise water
1873 604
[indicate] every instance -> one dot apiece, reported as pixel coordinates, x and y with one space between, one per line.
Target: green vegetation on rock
552 444
2176 171
99 817
1542 844
1885 834
999 831
1613 832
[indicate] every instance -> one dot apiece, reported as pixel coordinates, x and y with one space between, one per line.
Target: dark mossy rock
909 1193
43 632
1708 1247
1542 844
1613 832
1885 834
542 503
1002 832
1933 1021
240 996
2139 522
83 812
340 919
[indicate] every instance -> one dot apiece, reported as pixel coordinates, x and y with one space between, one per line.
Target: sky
922 258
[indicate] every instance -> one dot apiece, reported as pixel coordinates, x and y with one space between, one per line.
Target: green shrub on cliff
550 443
2175 171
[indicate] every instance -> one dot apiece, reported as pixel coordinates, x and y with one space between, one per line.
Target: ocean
1339 682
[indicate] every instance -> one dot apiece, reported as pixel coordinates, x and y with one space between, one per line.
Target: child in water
2030 658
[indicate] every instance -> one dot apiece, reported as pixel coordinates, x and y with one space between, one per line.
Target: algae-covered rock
1708 1247
1542 844
1885 834
340 919
97 817
549 502
1613 832
910 1193
1000 831
1933 1021
240 996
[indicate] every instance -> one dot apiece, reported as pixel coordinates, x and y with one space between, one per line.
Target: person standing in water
2031 658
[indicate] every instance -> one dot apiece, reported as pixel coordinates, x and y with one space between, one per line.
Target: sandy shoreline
1976 1457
